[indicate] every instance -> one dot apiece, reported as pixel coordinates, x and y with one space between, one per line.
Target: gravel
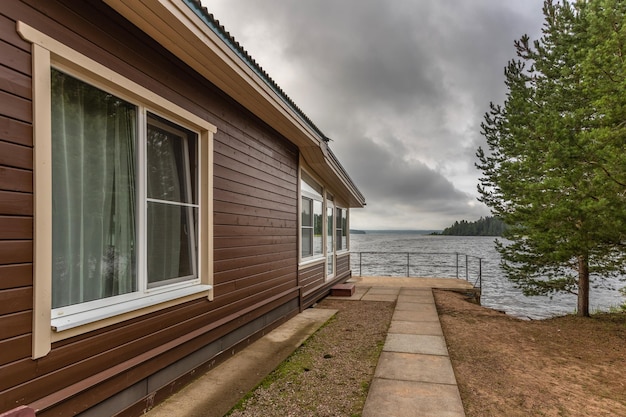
330 374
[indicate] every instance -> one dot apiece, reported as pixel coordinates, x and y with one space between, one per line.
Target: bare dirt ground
330 374
566 366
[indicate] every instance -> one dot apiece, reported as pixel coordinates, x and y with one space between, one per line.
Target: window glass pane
318 228
339 239
338 231
171 160
344 229
307 219
307 238
93 193
309 186
172 176
171 242
330 250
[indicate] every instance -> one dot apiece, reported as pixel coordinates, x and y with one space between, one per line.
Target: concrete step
343 290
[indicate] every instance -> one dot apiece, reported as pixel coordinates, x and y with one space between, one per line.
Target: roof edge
212 23
190 32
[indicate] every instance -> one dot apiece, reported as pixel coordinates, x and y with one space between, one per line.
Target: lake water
497 291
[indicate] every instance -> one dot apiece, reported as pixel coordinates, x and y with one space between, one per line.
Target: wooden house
163 203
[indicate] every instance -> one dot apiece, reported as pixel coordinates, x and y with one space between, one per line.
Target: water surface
497 291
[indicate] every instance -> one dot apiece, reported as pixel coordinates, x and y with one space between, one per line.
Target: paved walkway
414 376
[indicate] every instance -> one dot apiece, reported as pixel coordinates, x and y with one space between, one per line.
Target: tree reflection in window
172 209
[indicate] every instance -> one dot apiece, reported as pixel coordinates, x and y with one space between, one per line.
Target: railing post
360 264
408 274
466 269
480 273
457 265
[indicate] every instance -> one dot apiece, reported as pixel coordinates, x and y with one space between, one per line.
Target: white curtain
93 199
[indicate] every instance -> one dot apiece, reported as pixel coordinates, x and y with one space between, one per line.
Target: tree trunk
583 286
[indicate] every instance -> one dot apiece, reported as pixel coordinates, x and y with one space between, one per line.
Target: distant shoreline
394 231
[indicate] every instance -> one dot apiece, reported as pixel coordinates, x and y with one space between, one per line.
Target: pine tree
555 169
488 226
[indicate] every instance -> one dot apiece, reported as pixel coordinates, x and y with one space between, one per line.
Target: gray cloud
401 86
398 188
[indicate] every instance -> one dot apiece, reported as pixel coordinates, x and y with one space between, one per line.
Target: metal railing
419 264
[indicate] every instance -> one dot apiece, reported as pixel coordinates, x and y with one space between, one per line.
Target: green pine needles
555 168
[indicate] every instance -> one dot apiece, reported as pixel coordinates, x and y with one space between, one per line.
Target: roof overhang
184 32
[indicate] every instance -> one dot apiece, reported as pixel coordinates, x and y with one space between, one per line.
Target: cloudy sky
400 86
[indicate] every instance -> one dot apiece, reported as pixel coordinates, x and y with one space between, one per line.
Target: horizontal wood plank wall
255 217
343 265
16 201
313 282
311 278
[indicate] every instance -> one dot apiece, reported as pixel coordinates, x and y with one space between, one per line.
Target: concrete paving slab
217 391
379 297
416 343
410 399
426 283
360 292
418 308
416 291
381 290
428 314
414 298
416 327
415 367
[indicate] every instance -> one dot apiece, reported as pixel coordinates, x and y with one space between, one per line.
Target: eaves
194 36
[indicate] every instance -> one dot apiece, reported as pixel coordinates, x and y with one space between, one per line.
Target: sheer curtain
93 199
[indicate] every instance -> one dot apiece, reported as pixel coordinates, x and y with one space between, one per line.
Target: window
122 207
103 245
342 229
172 204
96 202
94 233
312 218
307 227
330 237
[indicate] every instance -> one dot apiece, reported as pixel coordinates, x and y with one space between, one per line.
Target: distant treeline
485 226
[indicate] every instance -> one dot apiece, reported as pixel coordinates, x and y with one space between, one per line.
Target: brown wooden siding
16 201
321 291
255 218
343 265
313 283
311 278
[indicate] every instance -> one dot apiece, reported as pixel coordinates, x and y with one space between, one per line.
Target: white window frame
331 255
46 53
339 224
307 201
313 258
143 277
